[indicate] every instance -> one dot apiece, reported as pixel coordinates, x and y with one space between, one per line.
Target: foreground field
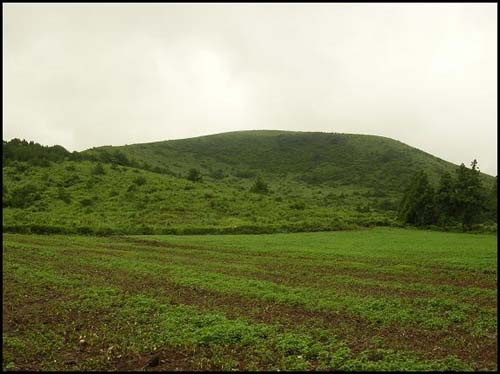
380 299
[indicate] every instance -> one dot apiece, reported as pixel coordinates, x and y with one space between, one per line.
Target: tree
469 195
194 175
259 186
445 199
494 200
417 206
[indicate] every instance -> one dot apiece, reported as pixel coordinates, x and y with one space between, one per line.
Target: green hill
314 158
317 181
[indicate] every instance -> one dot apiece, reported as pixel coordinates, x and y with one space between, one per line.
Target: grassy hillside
69 196
381 299
315 158
317 181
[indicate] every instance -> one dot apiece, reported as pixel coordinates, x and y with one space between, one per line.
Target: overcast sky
88 75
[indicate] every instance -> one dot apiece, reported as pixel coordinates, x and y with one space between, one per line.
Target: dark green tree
259 186
494 200
194 175
469 195
445 200
417 206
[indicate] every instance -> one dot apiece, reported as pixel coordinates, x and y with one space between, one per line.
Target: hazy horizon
85 75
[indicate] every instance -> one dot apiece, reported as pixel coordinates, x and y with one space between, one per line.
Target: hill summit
312 157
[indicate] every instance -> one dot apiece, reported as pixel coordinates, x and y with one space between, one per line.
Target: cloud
87 75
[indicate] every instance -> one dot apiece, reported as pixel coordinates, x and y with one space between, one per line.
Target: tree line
458 199
17 150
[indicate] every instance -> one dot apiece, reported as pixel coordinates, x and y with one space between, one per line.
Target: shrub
86 202
63 195
217 174
20 167
24 196
300 205
98 169
194 175
259 186
71 180
140 180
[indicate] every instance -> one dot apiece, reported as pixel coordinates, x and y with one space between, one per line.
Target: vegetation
418 205
316 159
378 299
95 297
260 186
461 199
34 153
253 182
194 175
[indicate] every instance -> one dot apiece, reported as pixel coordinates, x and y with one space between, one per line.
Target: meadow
371 299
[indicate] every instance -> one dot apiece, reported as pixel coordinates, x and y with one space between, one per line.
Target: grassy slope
381 299
338 159
318 181
166 203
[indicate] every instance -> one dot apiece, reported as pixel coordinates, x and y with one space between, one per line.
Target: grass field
378 299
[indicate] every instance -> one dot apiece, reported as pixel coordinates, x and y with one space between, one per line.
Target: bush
71 180
217 174
24 196
21 167
300 205
63 195
194 175
86 202
259 186
98 169
140 180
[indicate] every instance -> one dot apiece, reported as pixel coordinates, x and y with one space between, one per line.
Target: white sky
88 75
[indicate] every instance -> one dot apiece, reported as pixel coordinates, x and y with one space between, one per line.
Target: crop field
374 299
